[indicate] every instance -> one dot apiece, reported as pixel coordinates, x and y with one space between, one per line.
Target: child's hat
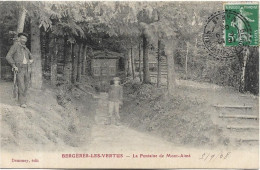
116 79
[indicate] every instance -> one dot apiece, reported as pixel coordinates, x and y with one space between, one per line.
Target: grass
177 118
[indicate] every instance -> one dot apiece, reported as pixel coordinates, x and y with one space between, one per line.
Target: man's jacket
16 54
115 93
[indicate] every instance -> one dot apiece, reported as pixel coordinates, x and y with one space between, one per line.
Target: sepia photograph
129 84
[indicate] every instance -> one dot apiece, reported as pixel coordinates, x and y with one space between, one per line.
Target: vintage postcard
118 84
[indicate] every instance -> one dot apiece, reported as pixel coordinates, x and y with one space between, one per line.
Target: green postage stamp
241 24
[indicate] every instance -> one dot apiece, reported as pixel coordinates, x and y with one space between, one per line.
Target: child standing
115 97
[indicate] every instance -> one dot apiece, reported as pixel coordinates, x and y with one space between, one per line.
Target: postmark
215 38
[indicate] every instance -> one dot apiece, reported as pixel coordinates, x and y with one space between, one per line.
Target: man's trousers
23 80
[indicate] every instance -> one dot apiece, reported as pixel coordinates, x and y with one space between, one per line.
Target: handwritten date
214 156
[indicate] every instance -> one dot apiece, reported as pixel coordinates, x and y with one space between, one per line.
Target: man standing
115 97
20 58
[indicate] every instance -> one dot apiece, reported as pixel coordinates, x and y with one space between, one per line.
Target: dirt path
112 138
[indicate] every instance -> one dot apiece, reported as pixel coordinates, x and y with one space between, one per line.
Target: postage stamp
227 32
241 24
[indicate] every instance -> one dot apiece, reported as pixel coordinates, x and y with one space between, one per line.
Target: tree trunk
67 61
140 71
126 64
88 60
21 20
186 61
252 71
159 64
167 63
245 59
84 60
54 54
43 48
146 78
170 47
195 47
129 64
74 62
79 62
36 78
45 52
132 63
1 44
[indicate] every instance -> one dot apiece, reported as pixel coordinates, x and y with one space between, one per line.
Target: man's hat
22 34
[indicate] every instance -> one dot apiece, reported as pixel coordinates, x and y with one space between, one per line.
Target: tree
80 56
186 60
139 53
54 56
68 48
144 18
245 56
159 64
129 63
132 63
252 71
84 60
65 24
146 76
170 46
36 78
21 20
166 30
74 63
